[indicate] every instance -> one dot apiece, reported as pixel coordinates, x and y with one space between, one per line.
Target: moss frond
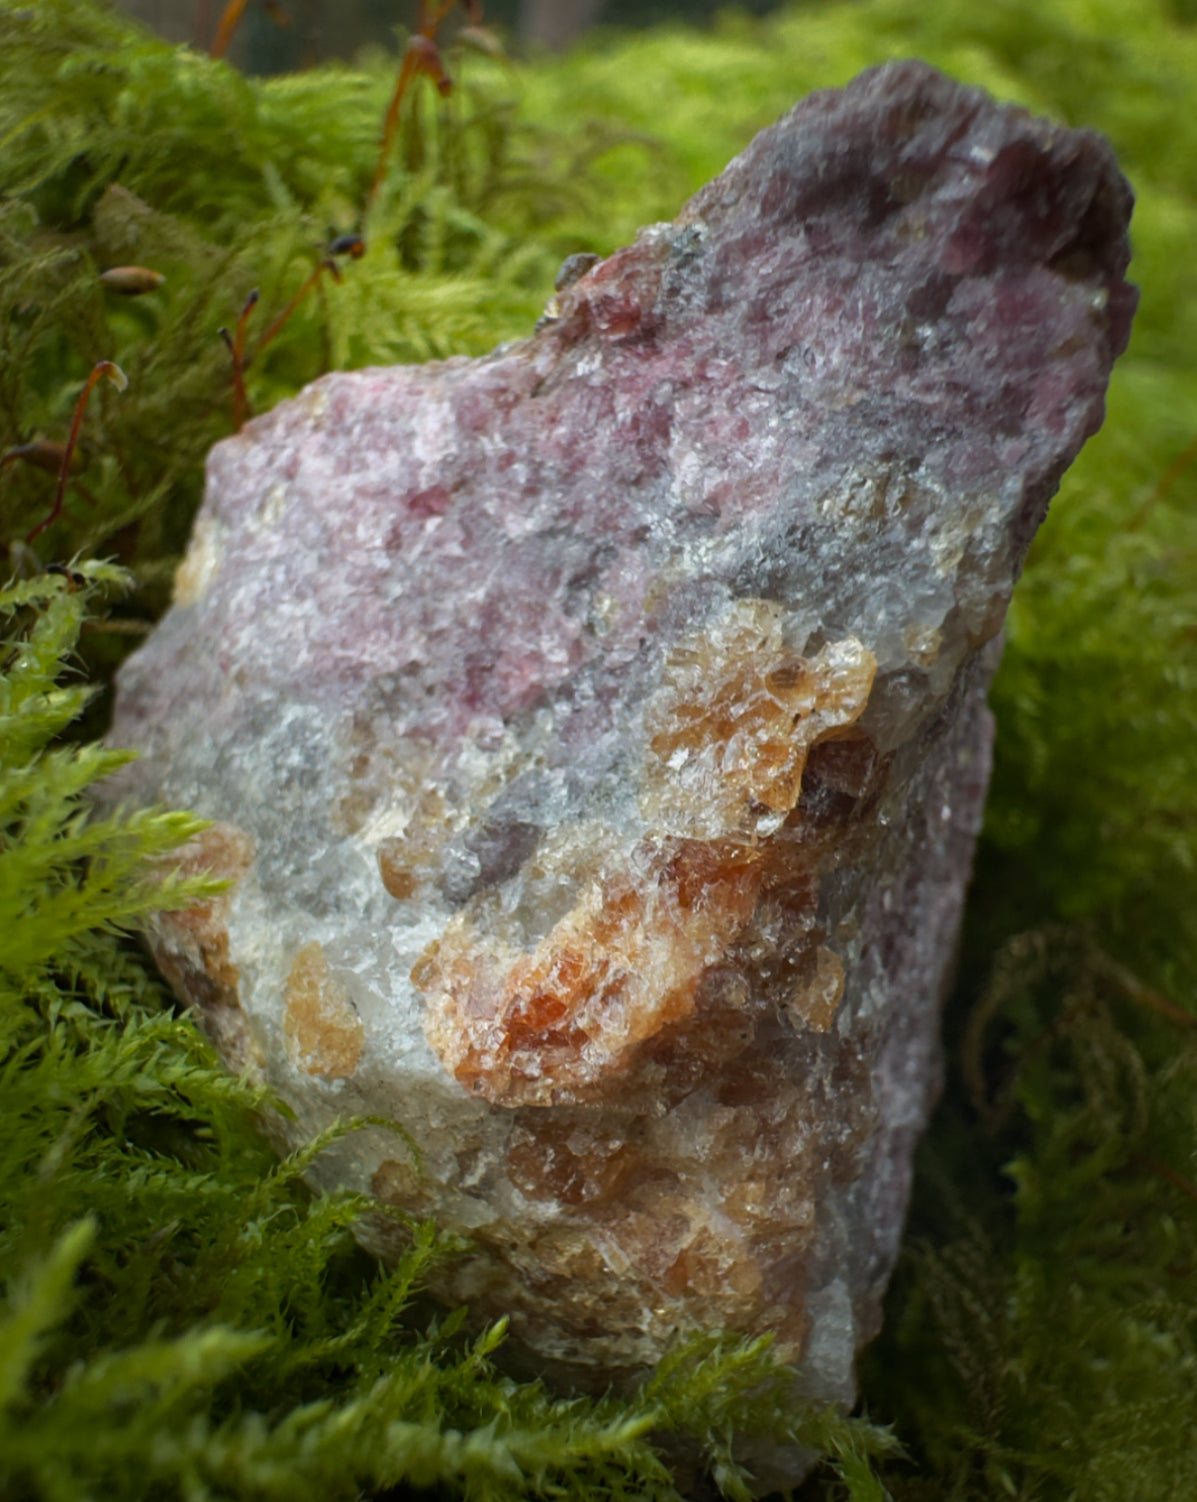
180 1318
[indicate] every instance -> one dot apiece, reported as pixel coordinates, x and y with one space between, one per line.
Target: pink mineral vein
597 733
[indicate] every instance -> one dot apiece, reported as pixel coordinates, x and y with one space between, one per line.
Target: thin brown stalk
118 378
236 348
422 56
310 285
1153 1165
230 19
1165 483
390 124
1146 996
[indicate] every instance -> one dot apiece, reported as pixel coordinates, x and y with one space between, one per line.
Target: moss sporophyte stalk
181 1317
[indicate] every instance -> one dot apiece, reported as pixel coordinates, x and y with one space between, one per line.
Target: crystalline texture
597 731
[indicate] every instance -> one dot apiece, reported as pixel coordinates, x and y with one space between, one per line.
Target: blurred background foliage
1040 1337
282 37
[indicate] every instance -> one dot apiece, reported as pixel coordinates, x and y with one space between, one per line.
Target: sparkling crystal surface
597 734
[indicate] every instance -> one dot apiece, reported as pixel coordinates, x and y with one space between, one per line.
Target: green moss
181 1319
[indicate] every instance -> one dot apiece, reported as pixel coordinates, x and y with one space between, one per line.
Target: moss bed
180 1319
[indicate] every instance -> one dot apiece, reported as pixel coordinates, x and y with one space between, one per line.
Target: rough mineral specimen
597 734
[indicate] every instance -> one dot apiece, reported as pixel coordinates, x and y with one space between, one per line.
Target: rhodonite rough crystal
596 732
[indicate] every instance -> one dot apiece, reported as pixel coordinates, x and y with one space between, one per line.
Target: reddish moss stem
351 245
1163 486
310 285
422 56
390 124
236 344
118 378
230 19
1165 1171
